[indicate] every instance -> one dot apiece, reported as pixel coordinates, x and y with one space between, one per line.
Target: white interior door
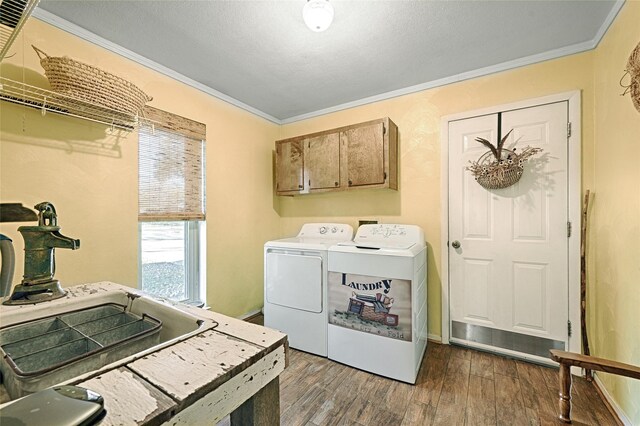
508 280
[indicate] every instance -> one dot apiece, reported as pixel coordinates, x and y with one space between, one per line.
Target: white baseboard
621 414
434 338
250 314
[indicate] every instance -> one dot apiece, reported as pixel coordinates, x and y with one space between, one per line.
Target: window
171 207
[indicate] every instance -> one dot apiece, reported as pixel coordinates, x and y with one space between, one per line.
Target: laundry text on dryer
383 284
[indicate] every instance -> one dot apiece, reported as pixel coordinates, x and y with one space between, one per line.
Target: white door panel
539 217
529 294
471 222
510 272
477 210
478 292
294 281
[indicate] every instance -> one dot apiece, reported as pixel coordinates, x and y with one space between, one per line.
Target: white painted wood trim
444 228
221 402
619 412
526 103
607 22
71 28
574 196
434 338
250 314
480 72
574 180
80 32
253 333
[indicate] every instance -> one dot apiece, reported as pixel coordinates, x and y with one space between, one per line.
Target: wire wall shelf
49 101
13 15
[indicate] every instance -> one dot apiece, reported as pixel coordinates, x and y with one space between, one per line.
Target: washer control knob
323 230
334 229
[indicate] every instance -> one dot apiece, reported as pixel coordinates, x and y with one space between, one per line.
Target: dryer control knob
323 230
334 229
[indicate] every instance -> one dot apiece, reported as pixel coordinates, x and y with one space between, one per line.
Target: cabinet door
289 166
365 154
323 161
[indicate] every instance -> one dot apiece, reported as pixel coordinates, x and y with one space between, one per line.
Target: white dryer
295 284
378 301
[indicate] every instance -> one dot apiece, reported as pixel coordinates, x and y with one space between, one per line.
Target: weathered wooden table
228 367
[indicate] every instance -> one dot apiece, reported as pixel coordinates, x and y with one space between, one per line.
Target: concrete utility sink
52 342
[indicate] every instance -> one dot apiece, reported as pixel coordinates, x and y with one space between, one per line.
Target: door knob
455 244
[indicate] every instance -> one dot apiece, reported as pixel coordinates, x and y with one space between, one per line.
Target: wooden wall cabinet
359 156
322 169
289 167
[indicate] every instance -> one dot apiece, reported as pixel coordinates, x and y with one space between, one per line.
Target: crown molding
78 31
480 72
86 35
607 22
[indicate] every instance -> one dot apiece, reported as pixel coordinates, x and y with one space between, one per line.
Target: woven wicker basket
499 177
633 69
91 84
635 93
633 66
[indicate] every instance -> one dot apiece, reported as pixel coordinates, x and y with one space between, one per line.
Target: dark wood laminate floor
455 386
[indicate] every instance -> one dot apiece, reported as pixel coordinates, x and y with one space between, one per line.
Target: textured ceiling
261 53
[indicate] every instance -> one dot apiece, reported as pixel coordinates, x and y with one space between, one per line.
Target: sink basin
46 344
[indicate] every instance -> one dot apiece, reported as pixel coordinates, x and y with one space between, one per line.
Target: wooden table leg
263 408
568 359
565 393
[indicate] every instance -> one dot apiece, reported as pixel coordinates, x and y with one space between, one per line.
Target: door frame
574 198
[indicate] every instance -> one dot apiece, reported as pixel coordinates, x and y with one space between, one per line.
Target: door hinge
569 129
568 229
569 328
384 129
384 175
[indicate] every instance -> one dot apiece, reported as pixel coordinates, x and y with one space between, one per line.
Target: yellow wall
614 290
91 176
72 163
418 117
610 160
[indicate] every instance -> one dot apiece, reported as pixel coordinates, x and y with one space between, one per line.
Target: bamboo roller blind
171 167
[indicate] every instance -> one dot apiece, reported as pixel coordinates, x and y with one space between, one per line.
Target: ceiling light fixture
317 14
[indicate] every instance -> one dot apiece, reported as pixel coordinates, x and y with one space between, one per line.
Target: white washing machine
378 301
295 284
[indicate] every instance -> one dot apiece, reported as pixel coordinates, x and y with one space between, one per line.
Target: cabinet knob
336 183
300 186
350 183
